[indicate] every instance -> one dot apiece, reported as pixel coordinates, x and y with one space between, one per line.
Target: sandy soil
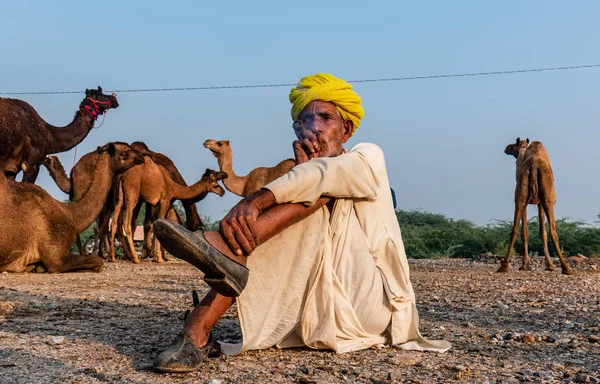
107 327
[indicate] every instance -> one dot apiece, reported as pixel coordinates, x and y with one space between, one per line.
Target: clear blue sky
443 139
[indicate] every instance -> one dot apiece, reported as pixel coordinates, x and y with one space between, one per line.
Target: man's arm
356 174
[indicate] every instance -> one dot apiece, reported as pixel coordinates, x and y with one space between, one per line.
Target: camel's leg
31 174
79 245
114 227
103 221
147 246
128 245
161 213
544 237
525 237
505 266
133 224
73 262
549 209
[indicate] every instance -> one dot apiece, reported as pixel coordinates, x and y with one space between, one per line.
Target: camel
193 220
535 185
76 186
20 124
39 230
153 184
253 181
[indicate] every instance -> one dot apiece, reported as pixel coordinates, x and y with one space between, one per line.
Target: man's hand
307 146
238 227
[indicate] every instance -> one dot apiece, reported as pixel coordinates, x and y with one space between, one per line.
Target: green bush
429 235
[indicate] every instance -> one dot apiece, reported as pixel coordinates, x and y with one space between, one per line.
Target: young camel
153 184
253 181
535 185
193 220
39 230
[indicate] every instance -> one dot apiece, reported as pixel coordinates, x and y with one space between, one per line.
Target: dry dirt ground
107 327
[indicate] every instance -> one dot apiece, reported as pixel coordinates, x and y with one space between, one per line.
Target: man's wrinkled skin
258 217
321 132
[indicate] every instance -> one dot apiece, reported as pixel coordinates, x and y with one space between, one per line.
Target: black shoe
182 355
224 275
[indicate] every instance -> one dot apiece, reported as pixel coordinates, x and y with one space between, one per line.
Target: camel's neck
192 192
85 210
59 175
65 138
233 183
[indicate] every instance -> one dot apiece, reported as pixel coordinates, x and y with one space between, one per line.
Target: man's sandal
182 355
224 275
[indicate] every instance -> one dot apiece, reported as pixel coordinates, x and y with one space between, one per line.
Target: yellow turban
326 87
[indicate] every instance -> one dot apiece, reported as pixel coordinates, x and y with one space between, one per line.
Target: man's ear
348 127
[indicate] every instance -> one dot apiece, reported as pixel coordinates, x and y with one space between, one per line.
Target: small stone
508 336
213 381
582 378
544 375
594 339
575 361
56 340
528 338
306 379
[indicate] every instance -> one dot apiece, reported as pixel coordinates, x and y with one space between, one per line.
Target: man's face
323 127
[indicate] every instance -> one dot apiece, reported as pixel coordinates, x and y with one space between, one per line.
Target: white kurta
339 282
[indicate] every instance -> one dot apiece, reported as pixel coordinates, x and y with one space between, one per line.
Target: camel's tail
534 197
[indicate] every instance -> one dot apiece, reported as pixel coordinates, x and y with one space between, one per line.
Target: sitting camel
535 185
19 121
153 184
253 181
76 186
39 230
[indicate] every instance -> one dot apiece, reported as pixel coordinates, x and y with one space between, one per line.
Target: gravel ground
107 327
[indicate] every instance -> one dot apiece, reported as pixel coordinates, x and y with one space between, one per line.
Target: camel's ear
88 93
518 140
111 149
100 89
227 142
222 175
99 149
527 140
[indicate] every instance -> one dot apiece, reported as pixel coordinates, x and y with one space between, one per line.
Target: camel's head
122 156
217 147
97 99
213 178
515 148
53 162
141 147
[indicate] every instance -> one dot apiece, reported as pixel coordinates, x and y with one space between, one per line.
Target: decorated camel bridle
95 111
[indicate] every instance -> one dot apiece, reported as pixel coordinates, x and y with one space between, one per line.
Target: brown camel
76 186
153 184
39 230
535 185
20 122
193 220
253 181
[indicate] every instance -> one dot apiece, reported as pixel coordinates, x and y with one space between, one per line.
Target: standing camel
39 230
153 184
535 185
20 124
253 181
